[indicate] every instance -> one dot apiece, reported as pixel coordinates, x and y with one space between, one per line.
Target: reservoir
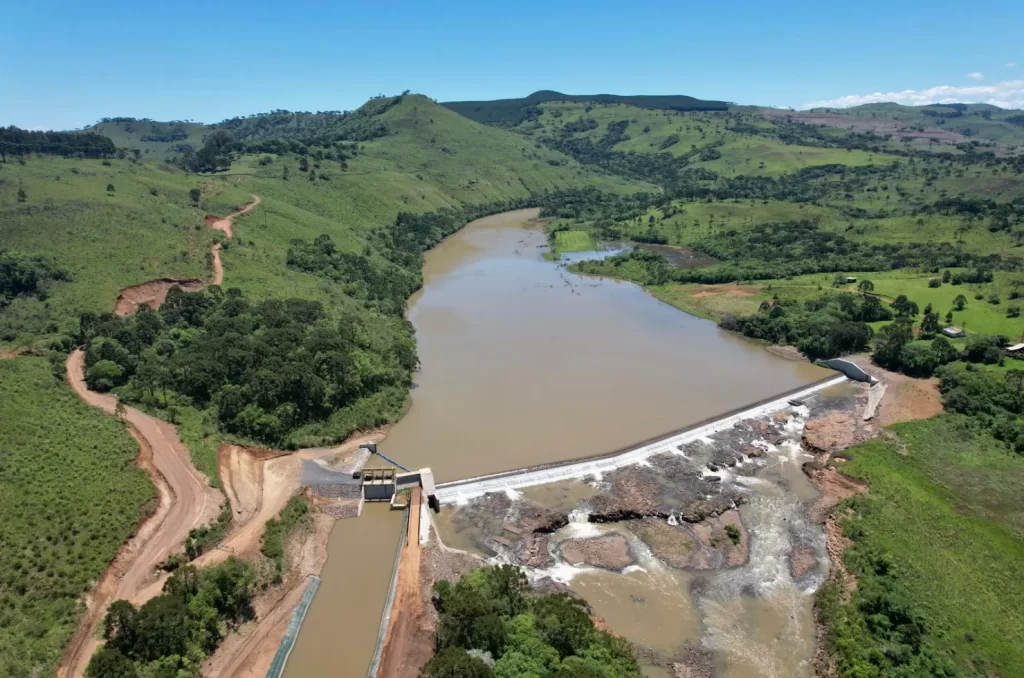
524 363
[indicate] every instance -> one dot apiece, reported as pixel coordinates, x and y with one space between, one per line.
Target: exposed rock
547 585
532 551
726 535
830 431
670 485
694 662
802 560
702 546
541 520
610 552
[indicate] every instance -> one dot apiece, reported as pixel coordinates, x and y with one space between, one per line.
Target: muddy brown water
340 632
524 363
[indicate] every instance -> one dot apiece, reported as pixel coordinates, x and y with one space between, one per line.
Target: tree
284 174
110 663
946 276
455 662
960 303
904 307
949 317
194 195
866 286
119 410
303 164
890 342
21 195
930 324
119 625
110 188
945 352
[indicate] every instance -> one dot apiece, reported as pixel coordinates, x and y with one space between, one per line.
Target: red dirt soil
406 647
186 501
154 292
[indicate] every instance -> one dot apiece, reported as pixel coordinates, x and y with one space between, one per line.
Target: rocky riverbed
727 529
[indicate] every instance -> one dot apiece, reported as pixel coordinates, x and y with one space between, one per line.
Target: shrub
934 282
733 532
1013 311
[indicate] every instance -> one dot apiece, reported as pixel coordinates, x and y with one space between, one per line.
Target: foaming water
525 363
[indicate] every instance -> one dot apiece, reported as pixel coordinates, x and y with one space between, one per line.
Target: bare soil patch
880 126
186 501
409 641
152 294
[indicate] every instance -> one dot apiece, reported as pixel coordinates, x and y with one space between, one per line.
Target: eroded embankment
154 292
186 501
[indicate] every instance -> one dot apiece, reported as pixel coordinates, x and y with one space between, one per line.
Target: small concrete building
954 332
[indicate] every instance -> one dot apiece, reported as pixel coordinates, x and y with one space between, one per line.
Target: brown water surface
340 631
526 363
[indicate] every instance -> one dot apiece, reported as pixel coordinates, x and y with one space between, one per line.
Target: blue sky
67 64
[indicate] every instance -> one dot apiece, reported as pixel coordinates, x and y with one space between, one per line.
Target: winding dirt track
186 500
225 226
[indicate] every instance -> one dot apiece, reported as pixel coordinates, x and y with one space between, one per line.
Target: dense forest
18 142
493 624
171 634
267 368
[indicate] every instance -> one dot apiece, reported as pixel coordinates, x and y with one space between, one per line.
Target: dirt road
153 293
405 649
225 226
186 501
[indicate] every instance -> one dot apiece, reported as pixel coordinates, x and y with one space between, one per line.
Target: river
523 363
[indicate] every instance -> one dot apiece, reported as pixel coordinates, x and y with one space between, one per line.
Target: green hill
147 228
981 122
156 140
514 111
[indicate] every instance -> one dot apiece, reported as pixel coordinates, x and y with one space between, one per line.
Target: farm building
954 332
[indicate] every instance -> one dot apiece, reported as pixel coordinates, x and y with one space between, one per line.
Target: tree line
18 142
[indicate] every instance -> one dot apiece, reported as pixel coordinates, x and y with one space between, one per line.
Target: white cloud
1012 64
1006 94
976 76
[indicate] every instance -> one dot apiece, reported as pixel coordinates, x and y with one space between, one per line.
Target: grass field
573 241
979 316
69 497
148 228
943 513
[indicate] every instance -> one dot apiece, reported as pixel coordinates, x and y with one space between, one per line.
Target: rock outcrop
610 552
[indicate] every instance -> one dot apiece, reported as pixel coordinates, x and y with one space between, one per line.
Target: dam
528 366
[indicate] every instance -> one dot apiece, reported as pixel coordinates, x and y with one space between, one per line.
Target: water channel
523 363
